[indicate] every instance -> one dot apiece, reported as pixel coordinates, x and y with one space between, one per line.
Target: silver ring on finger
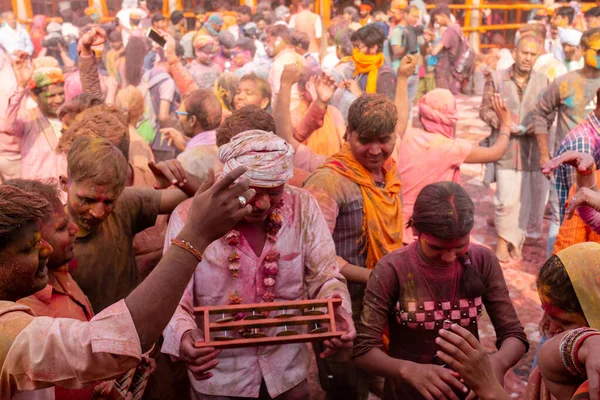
243 201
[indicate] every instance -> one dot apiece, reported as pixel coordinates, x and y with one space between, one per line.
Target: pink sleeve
305 159
72 353
183 79
310 122
10 123
591 217
458 152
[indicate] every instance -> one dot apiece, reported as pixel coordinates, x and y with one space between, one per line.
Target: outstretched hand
325 87
168 173
583 162
501 110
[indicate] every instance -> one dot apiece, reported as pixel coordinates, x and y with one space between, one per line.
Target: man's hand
325 87
501 110
407 66
291 73
217 208
343 322
352 86
173 136
168 173
93 37
584 163
23 71
199 360
464 354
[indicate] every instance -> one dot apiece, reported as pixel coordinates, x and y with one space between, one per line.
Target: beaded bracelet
567 346
187 246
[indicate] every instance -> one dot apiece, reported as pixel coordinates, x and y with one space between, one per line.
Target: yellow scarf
382 226
582 262
368 64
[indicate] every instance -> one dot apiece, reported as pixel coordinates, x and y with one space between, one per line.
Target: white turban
569 36
267 157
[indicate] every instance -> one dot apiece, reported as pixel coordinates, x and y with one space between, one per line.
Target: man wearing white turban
282 251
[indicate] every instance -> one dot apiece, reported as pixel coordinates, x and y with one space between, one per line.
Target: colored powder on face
591 58
569 102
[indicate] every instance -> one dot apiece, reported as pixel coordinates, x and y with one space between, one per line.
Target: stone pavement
520 276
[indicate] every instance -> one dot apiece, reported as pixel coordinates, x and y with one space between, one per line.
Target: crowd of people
150 165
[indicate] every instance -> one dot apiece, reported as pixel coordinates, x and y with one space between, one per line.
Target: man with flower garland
282 251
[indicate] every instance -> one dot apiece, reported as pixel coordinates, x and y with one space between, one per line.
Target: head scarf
45 73
39 23
214 19
569 36
267 157
437 110
202 40
582 262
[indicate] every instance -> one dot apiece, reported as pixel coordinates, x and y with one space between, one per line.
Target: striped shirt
584 138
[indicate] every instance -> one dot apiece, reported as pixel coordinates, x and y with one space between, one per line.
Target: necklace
270 264
448 320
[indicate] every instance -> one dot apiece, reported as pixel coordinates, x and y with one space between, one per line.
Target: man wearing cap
282 251
572 97
203 69
31 115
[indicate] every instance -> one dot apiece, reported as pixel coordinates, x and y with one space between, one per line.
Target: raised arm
183 80
486 109
10 123
88 69
214 210
405 70
281 107
494 153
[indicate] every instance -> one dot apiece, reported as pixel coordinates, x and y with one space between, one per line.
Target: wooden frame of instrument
327 318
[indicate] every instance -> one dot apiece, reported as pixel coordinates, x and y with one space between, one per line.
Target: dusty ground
520 276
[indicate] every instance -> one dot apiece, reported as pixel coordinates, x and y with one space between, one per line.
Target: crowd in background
153 164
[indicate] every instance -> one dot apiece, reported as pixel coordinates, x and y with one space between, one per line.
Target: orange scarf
382 227
368 64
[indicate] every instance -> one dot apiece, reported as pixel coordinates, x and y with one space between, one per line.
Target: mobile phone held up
156 38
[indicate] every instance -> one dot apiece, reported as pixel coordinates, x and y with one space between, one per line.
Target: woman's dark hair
554 283
134 60
443 210
446 211
370 35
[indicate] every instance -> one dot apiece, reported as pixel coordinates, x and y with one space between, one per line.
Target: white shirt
330 60
15 39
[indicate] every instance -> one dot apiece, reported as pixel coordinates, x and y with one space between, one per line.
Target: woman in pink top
433 154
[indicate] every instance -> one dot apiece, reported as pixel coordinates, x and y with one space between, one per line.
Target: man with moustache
521 193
